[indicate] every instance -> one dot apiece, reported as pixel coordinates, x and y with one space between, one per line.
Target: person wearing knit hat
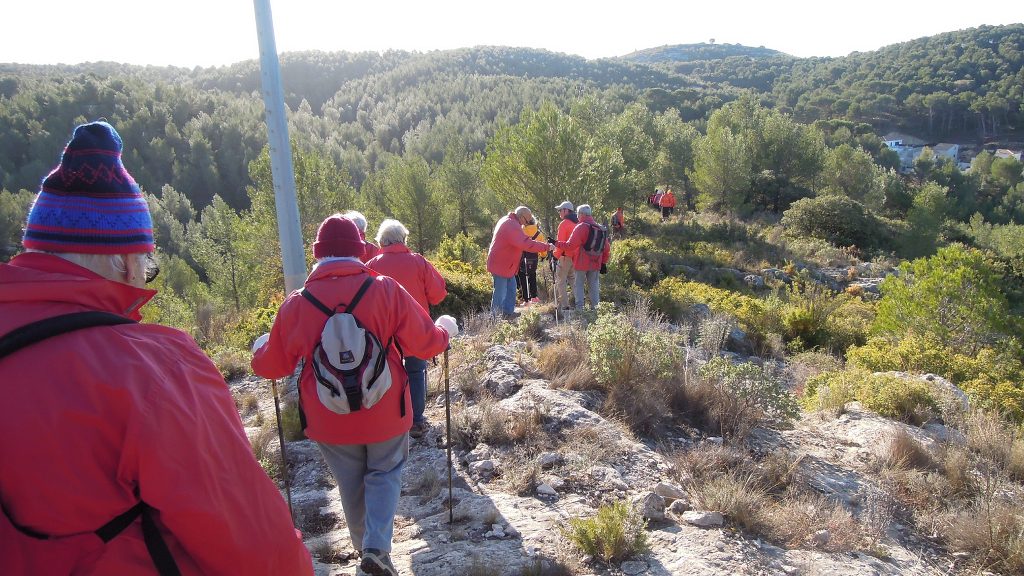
367 448
132 416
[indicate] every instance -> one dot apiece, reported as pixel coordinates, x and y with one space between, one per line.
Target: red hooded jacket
96 419
418 276
668 200
507 246
581 261
386 310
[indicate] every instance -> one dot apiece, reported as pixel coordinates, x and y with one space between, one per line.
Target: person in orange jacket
564 273
424 283
668 204
365 449
527 276
101 420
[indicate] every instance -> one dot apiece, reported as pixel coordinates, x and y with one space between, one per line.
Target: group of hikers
663 201
121 447
578 253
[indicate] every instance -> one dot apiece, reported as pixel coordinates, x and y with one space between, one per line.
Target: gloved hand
604 268
448 324
260 342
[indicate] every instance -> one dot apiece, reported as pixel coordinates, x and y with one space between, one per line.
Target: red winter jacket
507 245
388 311
418 276
370 250
668 200
96 419
582 261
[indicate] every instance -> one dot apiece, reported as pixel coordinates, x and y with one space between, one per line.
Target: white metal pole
288 227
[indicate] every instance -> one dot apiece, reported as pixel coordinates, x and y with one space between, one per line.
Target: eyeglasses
152 267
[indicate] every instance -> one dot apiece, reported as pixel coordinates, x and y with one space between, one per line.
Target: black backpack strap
41 330
156 546
359 295
320 305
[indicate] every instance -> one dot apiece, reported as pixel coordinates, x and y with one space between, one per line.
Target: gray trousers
370 482
592 279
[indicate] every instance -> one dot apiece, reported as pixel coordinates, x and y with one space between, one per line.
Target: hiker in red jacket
365 449
369 248
586 265
667 203
424 283
98 419
507 246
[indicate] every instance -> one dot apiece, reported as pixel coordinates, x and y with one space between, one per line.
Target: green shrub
469 289
904 399
233 363
836 219
634 261
460 248
740 397
616 533
250 324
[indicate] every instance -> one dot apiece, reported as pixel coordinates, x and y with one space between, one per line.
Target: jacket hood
38 277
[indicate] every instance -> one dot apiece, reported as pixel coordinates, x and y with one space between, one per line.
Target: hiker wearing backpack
426 285
564 273
348 324
507 245
591 248
527 276
369 248
118 431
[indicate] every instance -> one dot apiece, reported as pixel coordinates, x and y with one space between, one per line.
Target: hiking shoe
376 563
418 429
534 300
510 315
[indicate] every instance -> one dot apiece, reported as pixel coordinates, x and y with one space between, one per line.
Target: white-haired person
121 432
367 447
507 246
587 266
369 248
426 285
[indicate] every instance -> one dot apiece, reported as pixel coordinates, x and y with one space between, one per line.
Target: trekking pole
554 288
284 455
448 432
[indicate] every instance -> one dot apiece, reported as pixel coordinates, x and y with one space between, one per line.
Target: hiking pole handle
284 454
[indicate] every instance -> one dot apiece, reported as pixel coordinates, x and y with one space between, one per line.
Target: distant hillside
702 51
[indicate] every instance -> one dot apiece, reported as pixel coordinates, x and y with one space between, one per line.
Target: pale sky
216 32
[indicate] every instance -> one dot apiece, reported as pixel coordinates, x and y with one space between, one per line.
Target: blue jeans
416 368
503 300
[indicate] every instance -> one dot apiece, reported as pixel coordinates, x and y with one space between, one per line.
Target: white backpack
349 361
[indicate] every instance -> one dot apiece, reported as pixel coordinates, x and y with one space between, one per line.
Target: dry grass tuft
736 496
905 452
992 531
794 520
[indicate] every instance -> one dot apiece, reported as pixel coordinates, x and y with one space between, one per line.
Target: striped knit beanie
89 203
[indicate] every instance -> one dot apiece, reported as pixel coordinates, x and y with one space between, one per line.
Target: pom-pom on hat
337 236
89 203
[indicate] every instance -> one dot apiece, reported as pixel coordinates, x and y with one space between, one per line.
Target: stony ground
497 532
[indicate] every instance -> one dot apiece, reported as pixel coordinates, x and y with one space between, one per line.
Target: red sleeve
433 283
281 354
413 329
196 468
